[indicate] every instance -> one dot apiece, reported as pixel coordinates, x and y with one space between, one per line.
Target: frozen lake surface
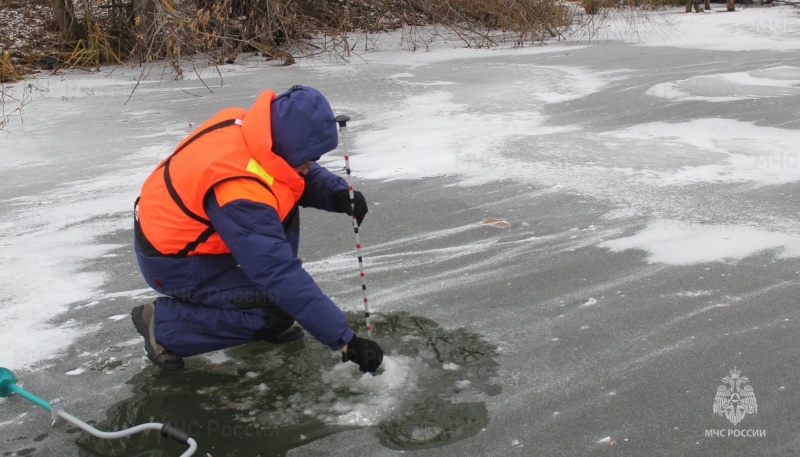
568 248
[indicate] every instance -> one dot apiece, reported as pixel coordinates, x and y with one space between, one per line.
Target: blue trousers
209 303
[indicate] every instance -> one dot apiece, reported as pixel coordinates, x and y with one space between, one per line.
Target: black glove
364 353
341 202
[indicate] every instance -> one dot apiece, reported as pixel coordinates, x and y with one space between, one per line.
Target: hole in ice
265 399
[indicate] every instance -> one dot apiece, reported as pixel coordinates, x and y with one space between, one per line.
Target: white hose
192 447
121 433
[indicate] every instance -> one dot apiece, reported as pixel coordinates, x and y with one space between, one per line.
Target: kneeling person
217 232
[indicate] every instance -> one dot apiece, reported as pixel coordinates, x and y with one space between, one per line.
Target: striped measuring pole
342 121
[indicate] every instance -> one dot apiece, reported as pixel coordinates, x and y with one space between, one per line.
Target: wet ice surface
430 391
620 221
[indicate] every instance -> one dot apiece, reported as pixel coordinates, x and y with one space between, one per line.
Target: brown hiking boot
142 317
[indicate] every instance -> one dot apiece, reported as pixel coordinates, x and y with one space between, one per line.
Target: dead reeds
147 30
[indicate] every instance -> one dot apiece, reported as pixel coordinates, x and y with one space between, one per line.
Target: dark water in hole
264 399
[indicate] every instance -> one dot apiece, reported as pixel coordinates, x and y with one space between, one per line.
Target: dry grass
112 31
8 71
96 49
142 31
11 104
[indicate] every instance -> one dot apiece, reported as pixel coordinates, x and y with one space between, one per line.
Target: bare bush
621 19
95 32
221 29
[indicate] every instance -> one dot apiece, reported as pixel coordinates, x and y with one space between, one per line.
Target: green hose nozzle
6 379
8 385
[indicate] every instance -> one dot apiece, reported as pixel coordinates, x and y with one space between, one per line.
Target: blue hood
302 125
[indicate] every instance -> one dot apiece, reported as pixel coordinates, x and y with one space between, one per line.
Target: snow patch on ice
54 235
681 243
446 133
621 213
579 82
133 294
131 342
216 357
748 153
752 29
406 79
699 293
76 371
725 87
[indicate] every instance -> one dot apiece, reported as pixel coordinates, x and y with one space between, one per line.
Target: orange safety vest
234 144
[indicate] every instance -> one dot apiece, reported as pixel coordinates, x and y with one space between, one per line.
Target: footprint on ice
430 391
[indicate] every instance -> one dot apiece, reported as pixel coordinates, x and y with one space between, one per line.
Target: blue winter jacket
253 231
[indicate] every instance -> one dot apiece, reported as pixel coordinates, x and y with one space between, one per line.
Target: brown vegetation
88 33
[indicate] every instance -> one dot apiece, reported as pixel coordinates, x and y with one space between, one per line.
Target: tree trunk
145 11
64 11
707 5
731 6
